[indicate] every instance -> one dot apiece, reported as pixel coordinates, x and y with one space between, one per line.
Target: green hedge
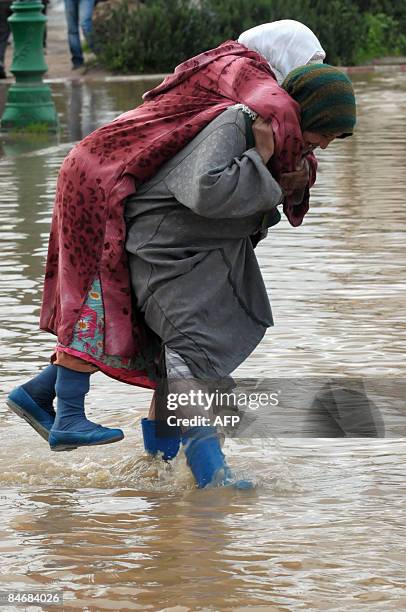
154 38
383 38
163 33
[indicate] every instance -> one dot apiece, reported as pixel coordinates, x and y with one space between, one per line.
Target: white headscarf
285 44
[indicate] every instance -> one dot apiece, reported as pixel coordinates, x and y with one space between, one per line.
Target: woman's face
313 140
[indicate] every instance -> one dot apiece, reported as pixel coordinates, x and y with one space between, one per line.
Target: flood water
324 527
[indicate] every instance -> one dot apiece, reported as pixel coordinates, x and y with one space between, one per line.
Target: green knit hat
326 98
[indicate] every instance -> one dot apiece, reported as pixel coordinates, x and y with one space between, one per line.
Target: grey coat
193 268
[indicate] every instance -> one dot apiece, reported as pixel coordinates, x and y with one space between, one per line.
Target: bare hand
295 183
264 141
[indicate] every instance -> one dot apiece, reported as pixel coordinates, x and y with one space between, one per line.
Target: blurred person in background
5 13
5 31
44 10
79 15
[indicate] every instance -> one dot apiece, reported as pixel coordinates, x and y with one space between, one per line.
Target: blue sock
71 388
41 388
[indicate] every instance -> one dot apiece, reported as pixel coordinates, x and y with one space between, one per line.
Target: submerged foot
207 461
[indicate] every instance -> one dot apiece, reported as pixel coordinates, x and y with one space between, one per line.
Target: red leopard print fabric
88 230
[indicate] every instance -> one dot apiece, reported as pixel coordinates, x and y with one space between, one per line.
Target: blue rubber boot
41 388
71 428
33 401
22 404
160 438
207 461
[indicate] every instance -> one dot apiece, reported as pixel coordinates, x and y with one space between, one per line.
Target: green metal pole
29 101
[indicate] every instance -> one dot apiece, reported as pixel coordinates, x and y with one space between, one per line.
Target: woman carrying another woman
199 186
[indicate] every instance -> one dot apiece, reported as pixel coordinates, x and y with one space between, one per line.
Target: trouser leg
85 20
44 40
72 19
5 13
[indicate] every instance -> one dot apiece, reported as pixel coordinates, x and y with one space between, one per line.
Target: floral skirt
88 345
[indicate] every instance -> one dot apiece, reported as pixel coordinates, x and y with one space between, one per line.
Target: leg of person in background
44 10
85 20
72 19
5 13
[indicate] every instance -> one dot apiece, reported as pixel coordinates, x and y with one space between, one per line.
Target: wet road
324 528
